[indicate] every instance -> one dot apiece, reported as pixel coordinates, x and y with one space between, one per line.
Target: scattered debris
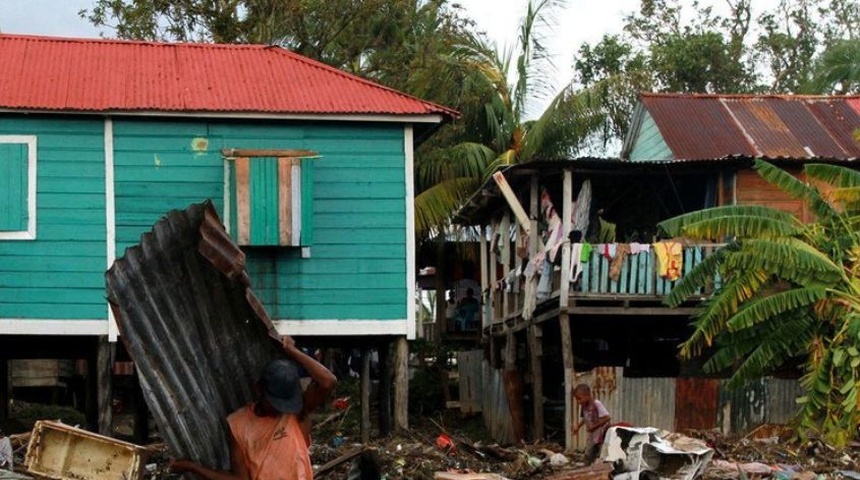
661 454
61 452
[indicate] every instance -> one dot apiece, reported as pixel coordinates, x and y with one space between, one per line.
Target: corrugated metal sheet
772 126
44 73
197 334
495 410
696 403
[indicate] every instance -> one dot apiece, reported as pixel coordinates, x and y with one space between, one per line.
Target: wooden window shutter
272 200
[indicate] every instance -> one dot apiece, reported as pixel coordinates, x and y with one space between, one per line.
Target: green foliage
800 46
790 293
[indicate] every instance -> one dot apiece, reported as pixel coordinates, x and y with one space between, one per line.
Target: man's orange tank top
274 448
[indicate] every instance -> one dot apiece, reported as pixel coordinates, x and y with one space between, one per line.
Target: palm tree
445 177
790 293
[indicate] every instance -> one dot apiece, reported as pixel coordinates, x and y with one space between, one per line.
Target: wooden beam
513 381
505 249
365 395
243 201
104 376
645 311
285 201
534 330
512 200
231 153
384 393
486 301
564 298
401 384
494 299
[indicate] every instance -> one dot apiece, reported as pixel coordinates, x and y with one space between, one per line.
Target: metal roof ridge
787 96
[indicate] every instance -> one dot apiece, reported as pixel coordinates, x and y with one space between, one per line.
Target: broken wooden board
598 471
61 452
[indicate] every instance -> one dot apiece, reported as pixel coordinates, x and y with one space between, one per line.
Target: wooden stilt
563 318
104 381
535 336
401 384
385 377
514 388
365 396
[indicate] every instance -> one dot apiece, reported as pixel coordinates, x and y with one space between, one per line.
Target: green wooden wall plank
13 187
357 204
309 207
263 195
69 249
650 144
36 308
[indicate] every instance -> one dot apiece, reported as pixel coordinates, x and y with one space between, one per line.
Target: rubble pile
429 452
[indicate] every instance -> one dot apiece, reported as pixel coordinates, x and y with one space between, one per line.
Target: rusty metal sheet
197 334
693 128
769 126
696 403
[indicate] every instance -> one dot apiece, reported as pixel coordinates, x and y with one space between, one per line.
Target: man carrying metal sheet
269 438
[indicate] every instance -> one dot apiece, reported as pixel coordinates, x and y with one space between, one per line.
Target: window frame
30 232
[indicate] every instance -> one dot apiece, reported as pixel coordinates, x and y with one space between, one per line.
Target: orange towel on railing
670 259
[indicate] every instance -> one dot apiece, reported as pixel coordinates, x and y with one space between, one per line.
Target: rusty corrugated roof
768 126
46 73
197 334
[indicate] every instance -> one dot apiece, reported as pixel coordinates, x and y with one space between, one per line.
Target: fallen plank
466 476
327 467
600 471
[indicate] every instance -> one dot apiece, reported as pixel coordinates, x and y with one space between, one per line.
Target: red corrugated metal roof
769 126
46 73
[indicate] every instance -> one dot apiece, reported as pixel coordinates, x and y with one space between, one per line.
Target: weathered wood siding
754 190
357 264
59 275
650 144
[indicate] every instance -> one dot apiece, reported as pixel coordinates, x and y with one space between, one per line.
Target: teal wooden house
310 168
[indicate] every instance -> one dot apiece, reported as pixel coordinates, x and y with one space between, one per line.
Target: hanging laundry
669 259
544 287
585 254
582 208
576 260
618 259
637 248
608 250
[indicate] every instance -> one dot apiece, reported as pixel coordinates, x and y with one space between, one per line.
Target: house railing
638 274
637 280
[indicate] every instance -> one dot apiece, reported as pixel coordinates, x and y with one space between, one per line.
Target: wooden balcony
638 290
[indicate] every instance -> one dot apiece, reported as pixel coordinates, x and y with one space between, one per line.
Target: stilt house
573 270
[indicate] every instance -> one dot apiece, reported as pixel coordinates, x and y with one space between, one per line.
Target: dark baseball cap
282 387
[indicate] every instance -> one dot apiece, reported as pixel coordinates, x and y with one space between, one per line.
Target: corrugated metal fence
668 403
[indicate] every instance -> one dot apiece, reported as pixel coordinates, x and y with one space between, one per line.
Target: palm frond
836 175
773 344
534 67
774 305
467 159
673 226
788 258
698 277
741 226
435 206
794 188
711 321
